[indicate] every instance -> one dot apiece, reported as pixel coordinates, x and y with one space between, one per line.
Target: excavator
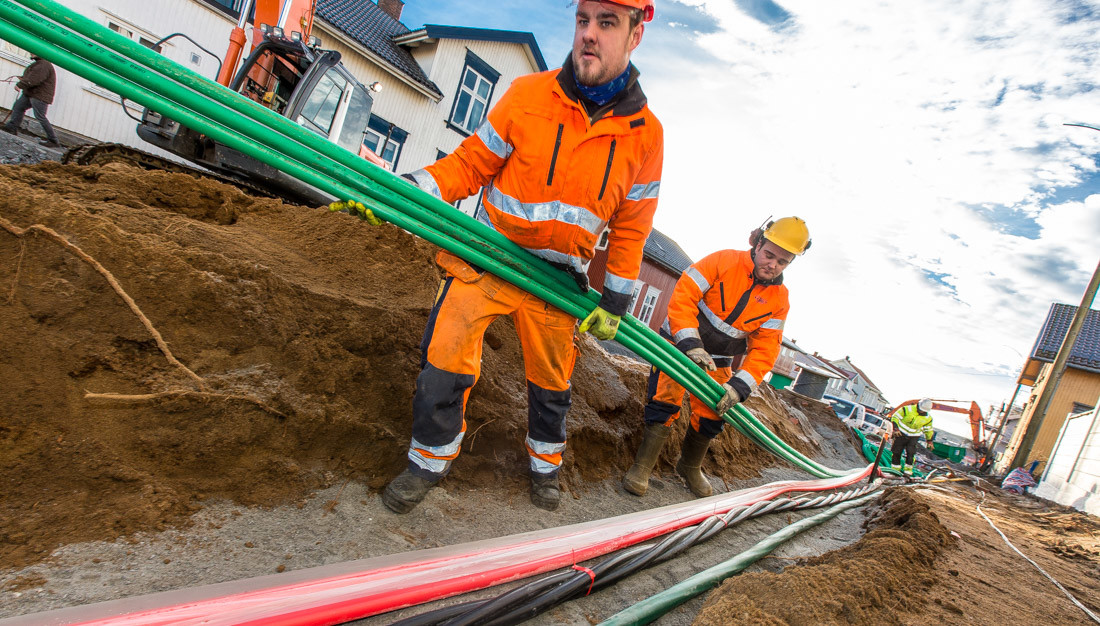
285 71
977 424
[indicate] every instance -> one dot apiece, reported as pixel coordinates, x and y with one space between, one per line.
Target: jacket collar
629 101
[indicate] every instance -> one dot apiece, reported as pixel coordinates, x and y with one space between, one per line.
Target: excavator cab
299 82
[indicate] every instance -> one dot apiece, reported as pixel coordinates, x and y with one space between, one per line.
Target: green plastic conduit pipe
655 606
485 248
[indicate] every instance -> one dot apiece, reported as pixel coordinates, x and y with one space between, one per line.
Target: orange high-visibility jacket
719 306
556 177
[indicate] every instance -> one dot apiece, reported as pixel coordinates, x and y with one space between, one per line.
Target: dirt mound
875 581
304 328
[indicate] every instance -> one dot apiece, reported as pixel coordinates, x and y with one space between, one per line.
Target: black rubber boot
636 480
691 463
406 491
545 491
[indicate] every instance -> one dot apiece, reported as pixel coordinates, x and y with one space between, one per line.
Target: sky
923 142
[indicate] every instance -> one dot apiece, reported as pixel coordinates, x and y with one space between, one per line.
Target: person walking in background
38 83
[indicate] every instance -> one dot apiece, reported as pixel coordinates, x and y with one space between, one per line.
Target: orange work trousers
665 396
467 302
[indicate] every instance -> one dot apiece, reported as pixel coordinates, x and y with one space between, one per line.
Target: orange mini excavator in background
287 72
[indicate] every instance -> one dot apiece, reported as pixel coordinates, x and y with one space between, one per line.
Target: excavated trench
304 328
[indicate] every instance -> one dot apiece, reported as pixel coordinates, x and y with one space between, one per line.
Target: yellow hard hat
789 233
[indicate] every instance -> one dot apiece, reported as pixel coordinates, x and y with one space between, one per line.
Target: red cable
333 594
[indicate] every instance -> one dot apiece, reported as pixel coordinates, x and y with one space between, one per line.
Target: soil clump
929 558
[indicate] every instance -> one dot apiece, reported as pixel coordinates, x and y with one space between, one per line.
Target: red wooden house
662 263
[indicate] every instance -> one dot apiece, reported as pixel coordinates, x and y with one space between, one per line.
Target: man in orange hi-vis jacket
731 303
563 155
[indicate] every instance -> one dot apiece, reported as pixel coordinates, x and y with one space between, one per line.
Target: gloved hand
931 445
601 324
731 398
357 209
702 359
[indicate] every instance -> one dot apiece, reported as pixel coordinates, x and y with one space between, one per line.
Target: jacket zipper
722 294
740 307
554 159
607 171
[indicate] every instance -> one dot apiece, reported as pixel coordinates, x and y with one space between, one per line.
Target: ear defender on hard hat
789 233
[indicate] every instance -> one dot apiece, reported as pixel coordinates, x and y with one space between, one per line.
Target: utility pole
1056 371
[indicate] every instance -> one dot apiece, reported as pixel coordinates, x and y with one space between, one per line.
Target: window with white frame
602 243
649 304
475 91
638 286
385 139
130 33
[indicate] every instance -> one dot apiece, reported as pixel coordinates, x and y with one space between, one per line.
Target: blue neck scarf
602 94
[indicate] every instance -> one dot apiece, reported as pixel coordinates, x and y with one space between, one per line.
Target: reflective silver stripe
698 278
554 256
719 323
773 323
644 192
618 284
577 263
747 379
905 429
436 466
685 333
493 141
425 181
541 447
546 211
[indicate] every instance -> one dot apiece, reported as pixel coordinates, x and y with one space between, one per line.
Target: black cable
527 601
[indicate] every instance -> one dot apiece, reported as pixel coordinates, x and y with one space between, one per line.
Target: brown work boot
406 491
9 130
690 464
636 480
545 491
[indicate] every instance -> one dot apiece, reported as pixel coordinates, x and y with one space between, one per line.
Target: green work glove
357 209
601 324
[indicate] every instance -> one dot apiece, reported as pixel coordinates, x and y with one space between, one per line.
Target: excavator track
105 153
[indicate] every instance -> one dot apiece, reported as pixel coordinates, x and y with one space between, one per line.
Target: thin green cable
655 606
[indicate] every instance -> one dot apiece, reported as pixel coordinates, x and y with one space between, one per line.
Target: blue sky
923 143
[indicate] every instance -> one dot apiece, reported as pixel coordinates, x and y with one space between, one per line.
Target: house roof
1085 354
857 371
437 31
376 30
662 250
816 365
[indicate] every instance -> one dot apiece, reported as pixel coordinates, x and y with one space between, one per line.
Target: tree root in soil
202 391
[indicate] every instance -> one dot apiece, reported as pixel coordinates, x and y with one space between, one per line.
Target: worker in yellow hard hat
732 304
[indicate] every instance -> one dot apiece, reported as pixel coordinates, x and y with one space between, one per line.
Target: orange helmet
646 7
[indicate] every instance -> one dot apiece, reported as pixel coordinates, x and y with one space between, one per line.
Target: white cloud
885 125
